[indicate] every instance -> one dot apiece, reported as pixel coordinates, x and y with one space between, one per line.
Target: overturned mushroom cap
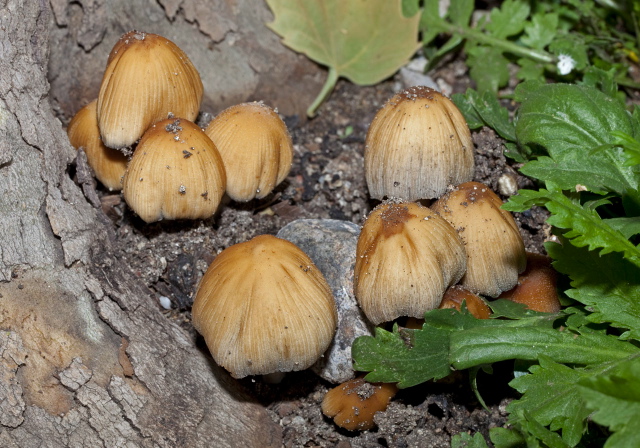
147 78
256 148
353 404
175 173
457 294
417 145
264 307
536 286
407 256
108 164
495 250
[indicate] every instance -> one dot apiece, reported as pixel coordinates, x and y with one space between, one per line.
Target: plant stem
329 84
506 45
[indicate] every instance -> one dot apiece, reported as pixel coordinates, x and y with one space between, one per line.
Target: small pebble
165 302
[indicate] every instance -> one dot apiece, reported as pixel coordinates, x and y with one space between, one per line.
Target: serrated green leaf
530 70
509 19
627 226
585 227
552 397
569 120
460 11
465 440
364 41
485 110
512 310
609 285
506 438
614 397
541 30
489 68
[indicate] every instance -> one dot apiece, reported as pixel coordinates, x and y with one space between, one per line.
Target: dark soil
326 181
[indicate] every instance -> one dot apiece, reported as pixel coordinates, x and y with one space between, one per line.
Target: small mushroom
406 257
536 286
147 78
353 404
495 250
457 294
108 164
175 173
256 149
417 145
264 307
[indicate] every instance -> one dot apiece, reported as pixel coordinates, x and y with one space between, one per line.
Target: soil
326 181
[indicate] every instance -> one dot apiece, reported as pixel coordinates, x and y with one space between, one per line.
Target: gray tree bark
86 358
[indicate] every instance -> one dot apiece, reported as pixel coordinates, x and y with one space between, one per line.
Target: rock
331 244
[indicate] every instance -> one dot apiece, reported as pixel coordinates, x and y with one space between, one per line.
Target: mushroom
256 149
406 257
417 145
353 404
457 294
108 164
264 307
536 286
147 78
175 173
495 250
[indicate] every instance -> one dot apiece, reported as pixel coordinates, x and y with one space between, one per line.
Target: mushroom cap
256 148
108 164
406 257
353 404
175 173
417 145
536 286
264 307
457 294
147 78
495 250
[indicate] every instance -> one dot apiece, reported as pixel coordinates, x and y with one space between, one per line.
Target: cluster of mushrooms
139 136
263 307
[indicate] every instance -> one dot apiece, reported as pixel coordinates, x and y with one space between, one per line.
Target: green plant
557 38
582 365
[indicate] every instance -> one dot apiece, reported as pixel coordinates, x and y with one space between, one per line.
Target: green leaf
449 338
364 41
552 397
585 227
506 438
571 45
485 110
530 70
541 30
460 11
627 226
465 440
509 19
609 285
489 68
568 121
614 397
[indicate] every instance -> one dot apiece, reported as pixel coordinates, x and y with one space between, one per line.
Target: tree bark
86 358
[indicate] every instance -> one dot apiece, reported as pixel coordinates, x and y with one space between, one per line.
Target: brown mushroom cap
353 404
417 145
256 149
108 164
147 78
495 250
264 307
175 173
536 286
406 257
457 294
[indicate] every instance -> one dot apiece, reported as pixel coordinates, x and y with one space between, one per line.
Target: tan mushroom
456 295
264 307
417 145
147 78
406 257
175 173
495 250
108 164
256 149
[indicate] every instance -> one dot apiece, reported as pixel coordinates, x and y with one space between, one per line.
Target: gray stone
331 244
